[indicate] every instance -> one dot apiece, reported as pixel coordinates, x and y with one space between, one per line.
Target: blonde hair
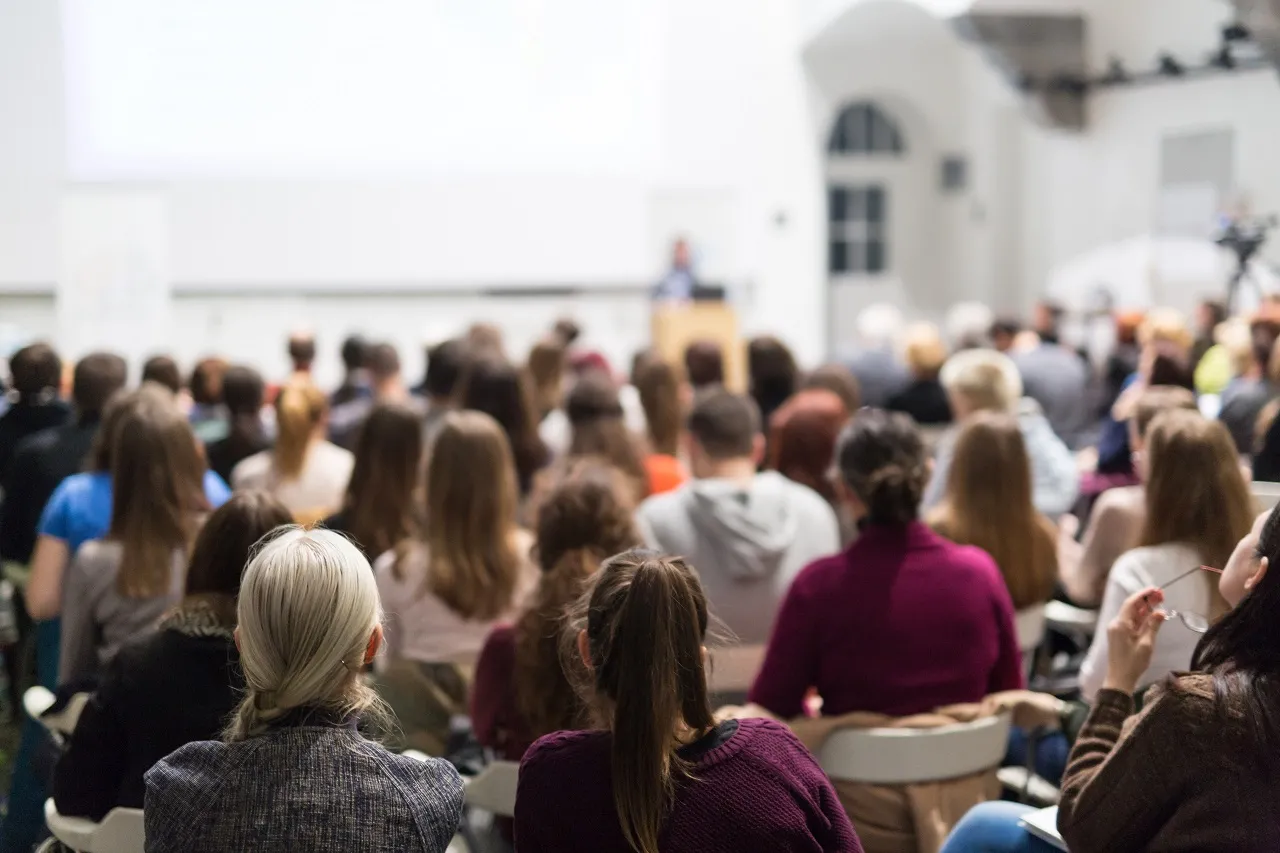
308 606
986 379
924 351
300 408
1165 325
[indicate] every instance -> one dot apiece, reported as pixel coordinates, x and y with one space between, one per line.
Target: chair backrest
494 790
1029 623
909 756
121 831
1265 495
734 668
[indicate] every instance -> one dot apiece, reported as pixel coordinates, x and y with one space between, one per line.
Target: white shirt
1134 571
421 627
314 494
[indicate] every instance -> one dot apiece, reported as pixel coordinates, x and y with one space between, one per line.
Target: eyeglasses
1194 621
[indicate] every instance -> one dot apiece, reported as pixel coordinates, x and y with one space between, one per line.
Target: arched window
863 128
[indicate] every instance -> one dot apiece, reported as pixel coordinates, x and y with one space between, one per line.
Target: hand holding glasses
1194 621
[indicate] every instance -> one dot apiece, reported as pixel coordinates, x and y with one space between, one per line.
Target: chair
121 831
1265 495
1029 623
734 668
912 756
494 790
1075 622
37 701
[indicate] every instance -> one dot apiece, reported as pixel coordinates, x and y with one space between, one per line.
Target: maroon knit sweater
758 790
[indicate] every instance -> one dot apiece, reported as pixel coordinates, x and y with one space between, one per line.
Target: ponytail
299 408
646 620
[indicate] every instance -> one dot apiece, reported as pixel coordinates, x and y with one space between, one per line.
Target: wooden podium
675 326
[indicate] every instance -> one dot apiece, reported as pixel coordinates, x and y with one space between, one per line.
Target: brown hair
646 618
162 370
227 540
840 381
599 428
300 408
988 504
157 476
1157 399
772 371
724 424
382 494
470 524
802 441
1195 493
704 364
584 516
882 460
545 370
659 387
490 384
206 381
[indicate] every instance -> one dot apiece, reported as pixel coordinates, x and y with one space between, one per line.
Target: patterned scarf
202 616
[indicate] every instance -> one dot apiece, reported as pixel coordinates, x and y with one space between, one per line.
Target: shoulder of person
250 467
94 553
413 557
199 763
1186 695
557 744
436 776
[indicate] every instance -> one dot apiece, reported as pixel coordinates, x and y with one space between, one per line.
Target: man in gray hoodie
747 533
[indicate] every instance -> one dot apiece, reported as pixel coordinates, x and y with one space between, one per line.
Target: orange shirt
665 473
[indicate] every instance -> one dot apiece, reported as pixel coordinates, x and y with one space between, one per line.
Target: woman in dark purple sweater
663 776
903 621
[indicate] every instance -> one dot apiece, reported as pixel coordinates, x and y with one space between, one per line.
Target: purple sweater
902 622
758 790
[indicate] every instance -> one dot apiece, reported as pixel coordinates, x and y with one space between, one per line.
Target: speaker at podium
707 317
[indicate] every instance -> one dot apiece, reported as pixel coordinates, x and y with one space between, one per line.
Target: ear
1258 575
375 643
236 636
584 648
757 450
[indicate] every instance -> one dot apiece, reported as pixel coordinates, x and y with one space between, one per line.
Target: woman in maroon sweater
903 621
662 775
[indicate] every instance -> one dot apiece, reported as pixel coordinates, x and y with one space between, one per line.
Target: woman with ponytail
295 773
937 614
660 774
303 471
521 691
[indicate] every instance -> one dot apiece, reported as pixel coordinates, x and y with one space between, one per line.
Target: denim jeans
993 828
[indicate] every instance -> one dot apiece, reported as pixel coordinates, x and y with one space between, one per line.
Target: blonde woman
294 772
924 399
305 472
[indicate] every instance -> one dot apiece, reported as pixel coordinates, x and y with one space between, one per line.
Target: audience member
924 399
803 437
837 379
174 686
117 587
658 387
1004 331
968 325
490 384
1245 397
772 374
879 373
749 532
381 506
1046 321
243 393
1116 520
596 418
445 364
1122 361
43 460
386 385
704 365
295 771
900 589
984 380
163 371
521 690
486 339
546 368
1183 527
37 374
303 471
355 377
1209 315
1057 378
208 415
302 356
988 504
656 777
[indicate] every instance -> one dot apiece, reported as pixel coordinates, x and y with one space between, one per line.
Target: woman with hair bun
295 773
938 614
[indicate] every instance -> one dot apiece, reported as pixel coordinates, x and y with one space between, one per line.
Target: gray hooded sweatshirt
747 542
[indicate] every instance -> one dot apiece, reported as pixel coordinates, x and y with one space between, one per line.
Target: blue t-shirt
80 508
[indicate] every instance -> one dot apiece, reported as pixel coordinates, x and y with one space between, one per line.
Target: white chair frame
121 831
910 756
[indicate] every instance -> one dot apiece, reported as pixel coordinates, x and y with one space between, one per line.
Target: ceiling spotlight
1171 67
1236 32
1224 58
1116 73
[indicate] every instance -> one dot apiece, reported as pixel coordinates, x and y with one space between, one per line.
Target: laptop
1044 825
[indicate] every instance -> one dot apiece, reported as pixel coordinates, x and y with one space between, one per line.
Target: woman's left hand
1131 639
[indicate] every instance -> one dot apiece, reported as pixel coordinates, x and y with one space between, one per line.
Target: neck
741 469
1254 372
390 389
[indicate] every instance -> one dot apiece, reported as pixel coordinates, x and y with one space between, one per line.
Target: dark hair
1171 369
381 501
227 539
1055 312
302 350
445 363
243 393
1242 653
772 371
839 380
1217 312
206 381
584 514
1005 327
596 416
646 619
383 361
1264 330
882 460
355 352
162 370
35 369
567 330
492 385
724 424
1157 399
704 364
659 389
98 377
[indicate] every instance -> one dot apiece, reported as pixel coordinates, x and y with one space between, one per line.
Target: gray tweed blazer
303 787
